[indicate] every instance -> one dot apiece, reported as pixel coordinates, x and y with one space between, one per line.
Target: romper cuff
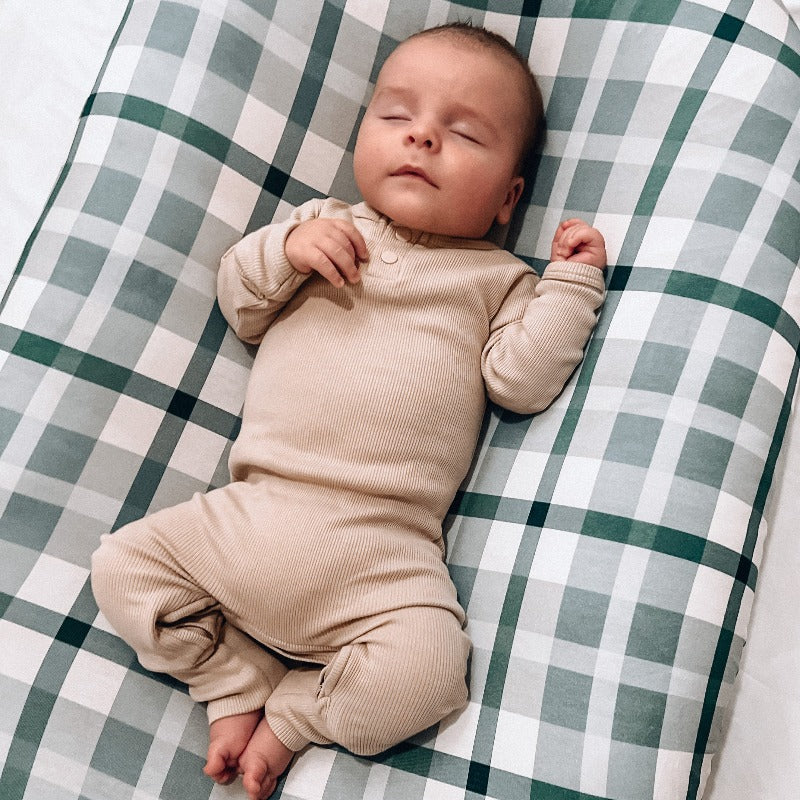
237 704
287 734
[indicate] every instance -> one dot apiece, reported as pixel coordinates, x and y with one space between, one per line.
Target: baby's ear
513 194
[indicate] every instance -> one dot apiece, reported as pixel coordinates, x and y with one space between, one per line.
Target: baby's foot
263 761
228 737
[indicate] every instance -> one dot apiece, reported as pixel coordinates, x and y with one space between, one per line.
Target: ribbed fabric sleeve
529 358
256 280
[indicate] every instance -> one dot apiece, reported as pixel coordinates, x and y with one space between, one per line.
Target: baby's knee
423 679
117 569
440 670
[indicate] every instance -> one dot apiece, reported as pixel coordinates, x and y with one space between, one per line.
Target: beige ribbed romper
360 422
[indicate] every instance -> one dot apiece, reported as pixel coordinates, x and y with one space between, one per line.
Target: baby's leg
404 675
155 582
263 761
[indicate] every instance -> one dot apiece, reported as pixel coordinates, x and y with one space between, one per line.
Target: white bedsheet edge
50 54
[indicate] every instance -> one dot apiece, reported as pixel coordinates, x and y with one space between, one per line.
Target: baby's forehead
441 40
401 68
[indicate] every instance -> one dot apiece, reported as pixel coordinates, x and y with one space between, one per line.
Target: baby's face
439 145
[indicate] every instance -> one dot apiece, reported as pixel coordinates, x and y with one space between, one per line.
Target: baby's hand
577 241
331 247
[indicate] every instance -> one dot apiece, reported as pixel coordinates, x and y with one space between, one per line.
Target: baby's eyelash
467 136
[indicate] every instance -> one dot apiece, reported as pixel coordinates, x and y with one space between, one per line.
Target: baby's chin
402 214
428 222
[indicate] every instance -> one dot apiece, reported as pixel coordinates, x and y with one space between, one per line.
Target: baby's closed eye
467 133
396 114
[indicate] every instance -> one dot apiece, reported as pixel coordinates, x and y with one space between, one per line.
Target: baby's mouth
410 171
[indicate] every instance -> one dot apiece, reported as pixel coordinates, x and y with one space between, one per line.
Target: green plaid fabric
606 550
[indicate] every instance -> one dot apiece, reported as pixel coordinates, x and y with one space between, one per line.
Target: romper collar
412 236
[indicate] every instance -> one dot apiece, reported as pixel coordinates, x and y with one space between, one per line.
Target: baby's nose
423 135
420 140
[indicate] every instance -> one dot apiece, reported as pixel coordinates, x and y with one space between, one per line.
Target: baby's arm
539 334
256 276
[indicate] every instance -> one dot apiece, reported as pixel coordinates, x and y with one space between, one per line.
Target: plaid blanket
606 550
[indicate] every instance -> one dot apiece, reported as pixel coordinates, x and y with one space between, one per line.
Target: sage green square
728 387
111 195
654 634
658 368
633 439
638 716
729 202
582 616
566 698
762 134
172 28
704 458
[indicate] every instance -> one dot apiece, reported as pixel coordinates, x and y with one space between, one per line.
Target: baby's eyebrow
393 93
461 111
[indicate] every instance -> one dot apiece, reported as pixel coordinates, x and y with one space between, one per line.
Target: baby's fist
332 247
577 241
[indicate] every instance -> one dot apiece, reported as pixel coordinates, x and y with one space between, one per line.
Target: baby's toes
257 778
220 769
259 788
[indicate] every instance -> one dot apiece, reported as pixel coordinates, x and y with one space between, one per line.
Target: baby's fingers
573 233
569 223
339 254
345 250
564 241
356 241
575 240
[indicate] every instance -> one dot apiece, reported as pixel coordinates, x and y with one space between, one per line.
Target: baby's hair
482 37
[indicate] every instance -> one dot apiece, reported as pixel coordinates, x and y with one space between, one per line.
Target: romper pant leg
402 676
143 588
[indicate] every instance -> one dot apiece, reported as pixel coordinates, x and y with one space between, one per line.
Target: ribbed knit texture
379 388
360 422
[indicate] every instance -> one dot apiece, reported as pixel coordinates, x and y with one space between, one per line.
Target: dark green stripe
184 405
613 528
660 13
694 17
475 775
729 28
33 721
205 354
34 348
30 615
515 593
65 629
546 791
708 290
142 490
159 117
25 743
681 123
679 127
106 374
671 542
790 59
722 652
